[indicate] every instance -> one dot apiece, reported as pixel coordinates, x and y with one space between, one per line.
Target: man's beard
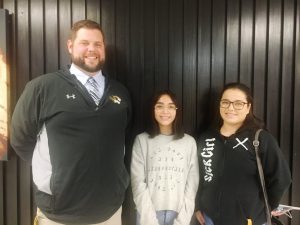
91 69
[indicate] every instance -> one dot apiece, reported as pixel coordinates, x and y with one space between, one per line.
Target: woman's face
234 107
165 112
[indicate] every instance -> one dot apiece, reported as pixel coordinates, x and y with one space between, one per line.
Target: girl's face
234 107
165 112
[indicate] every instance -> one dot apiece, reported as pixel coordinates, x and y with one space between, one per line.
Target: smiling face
87 50
230 115
165 113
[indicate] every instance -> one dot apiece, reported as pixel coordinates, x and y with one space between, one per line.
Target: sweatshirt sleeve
141 195
276 170
24 124
186 212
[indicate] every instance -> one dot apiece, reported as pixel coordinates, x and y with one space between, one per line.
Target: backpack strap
261 176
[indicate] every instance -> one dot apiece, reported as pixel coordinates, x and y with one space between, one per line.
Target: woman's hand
200 217
277 213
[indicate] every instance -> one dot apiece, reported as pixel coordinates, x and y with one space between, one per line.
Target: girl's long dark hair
153 127
251 121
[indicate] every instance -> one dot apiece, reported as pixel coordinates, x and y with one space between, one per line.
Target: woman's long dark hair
251 121
153 128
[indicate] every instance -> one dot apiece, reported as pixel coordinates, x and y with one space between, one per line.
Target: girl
164 167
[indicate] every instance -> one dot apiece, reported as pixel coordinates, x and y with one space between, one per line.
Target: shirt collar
82 77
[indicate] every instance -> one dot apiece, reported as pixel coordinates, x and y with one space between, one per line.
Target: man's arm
24 124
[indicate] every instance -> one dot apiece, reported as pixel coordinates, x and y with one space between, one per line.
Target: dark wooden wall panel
204 63
176 47
246 40
189 64
78 10
64 25
122 40
287 97
232 40
23 67
147 51
93 9
218 40
274 66
296 118
2 191
108 23
260 57
36 38
161 32
192 47
51 57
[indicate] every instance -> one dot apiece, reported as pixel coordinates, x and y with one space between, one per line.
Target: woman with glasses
230 191
164 167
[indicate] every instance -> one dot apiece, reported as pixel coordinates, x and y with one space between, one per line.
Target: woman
164 167
230 187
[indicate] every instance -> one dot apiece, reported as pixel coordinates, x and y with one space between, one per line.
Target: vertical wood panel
108 24
23 75
23 45
52 44
232 40
260 49
148 56
136 61
2 183
122 40
274 64
246 47
286 119
37 38
12 197
78 10
218 44
204 65
189 64
93 10
64 26
296 119
176 47
161 44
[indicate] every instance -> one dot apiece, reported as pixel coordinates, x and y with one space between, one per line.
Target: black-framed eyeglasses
238 105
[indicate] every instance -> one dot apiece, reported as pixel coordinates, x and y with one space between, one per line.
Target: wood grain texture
192 47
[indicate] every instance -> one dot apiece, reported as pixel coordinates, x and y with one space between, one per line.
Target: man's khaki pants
41 219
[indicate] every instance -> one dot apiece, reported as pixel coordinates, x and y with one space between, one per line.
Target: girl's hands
200 217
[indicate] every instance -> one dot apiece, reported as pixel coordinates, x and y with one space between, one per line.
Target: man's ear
69 46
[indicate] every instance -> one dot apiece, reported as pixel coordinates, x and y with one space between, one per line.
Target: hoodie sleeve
141 195
186 212
276 170
24 124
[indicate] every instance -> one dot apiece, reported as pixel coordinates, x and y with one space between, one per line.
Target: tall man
71 126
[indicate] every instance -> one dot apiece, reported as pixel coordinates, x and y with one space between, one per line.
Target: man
72 130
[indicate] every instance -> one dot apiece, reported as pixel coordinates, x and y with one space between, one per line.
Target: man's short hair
88 24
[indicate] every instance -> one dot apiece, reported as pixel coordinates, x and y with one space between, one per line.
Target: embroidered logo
115 99
241 143
207 153
70 96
